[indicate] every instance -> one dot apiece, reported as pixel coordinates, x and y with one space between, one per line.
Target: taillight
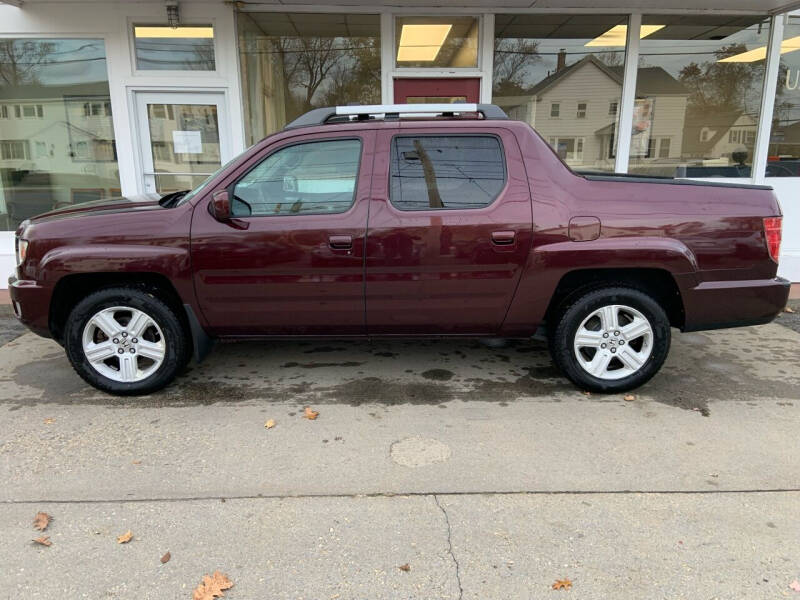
772 233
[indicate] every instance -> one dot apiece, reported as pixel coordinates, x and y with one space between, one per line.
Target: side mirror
221 206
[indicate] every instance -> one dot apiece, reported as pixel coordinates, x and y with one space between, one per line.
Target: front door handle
340 242
503 238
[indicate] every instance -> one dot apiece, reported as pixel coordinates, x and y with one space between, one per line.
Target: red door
440 91
292 262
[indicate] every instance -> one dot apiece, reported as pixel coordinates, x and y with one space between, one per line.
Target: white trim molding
628 100
761 149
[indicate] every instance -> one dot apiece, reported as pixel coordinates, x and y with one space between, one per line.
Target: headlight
22 250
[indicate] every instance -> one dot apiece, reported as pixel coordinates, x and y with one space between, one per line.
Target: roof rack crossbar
319 116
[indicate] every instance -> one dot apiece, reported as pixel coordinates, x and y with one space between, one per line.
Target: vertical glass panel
56 133
160 48
698 95
442 42
184 140
784 139
563 74
292 63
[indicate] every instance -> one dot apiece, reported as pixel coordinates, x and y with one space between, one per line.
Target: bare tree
20 60
512 59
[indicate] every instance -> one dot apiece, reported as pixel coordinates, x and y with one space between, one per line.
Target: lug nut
133 350
602 345
116 340
615 333
120 351
135 341
605 335
613 350
621 342
124 334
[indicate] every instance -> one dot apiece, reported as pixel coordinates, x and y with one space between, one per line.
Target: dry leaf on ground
212 586
269 424
49 421
125 537
795 585
406 567
44 540
165 558
629 398
309 413
788 309
562 584
41 521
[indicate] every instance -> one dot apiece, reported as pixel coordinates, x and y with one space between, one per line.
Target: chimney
562 59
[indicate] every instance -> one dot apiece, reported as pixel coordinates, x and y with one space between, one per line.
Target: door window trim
446 209
260 159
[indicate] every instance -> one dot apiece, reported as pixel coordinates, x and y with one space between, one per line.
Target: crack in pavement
450 546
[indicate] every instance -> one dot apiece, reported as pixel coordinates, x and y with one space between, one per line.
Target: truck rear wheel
125 341
611 339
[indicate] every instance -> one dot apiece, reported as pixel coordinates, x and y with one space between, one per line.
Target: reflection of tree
721 86
512 59
19 60
357 78
203 59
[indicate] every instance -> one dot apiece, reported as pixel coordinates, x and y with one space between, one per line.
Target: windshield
207 180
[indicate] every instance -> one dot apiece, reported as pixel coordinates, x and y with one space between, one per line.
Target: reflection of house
51 138
717 135
575 110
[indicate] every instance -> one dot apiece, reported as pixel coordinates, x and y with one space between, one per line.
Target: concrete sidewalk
479 467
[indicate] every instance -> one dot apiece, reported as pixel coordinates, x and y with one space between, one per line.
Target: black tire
578 308
176 340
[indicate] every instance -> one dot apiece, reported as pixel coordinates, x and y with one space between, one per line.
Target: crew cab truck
401 220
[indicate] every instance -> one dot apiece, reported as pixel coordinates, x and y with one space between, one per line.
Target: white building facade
101 99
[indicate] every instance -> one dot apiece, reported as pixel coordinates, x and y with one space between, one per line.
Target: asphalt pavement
435 469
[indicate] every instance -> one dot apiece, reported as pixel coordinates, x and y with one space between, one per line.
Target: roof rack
343 114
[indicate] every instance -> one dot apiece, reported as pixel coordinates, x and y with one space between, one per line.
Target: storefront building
100 99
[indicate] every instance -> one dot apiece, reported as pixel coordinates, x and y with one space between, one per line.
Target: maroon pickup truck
380 221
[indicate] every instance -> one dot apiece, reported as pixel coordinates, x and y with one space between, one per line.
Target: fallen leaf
165 558
309 413
269 424
44 540
125 537
212 586
629 398
41 521
562 584
136 462
788 309
795 585
49 421
406 567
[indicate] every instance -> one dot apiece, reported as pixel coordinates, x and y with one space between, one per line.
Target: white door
181 139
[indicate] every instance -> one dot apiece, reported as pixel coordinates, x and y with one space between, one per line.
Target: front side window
446 172
310 178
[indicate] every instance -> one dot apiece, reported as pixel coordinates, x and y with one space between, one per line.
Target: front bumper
31 303
718 304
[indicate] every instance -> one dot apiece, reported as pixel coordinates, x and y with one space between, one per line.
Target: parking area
475 467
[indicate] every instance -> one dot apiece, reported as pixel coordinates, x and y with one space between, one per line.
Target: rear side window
446 172
313 178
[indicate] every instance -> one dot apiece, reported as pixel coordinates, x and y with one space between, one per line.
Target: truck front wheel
611 339
125 341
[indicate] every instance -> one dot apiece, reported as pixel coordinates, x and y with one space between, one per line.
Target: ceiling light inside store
421 42
760 53
617 35
169 32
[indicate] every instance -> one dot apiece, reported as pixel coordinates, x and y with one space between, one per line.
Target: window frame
557 106
445 134
578 110
133 22
231 187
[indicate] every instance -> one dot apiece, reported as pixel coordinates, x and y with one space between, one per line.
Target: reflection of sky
71 61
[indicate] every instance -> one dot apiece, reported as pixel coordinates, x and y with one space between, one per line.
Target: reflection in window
546 66
444 42
312 178
432 172
698 96
784 139
292 63
57 133
162 48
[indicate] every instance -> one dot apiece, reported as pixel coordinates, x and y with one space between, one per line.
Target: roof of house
719 122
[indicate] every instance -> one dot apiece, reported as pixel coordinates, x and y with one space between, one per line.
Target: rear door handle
340 242
503 238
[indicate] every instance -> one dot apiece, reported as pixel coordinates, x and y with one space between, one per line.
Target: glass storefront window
163 48
56 134
563 75
292 63
698 95
784 139
441 42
